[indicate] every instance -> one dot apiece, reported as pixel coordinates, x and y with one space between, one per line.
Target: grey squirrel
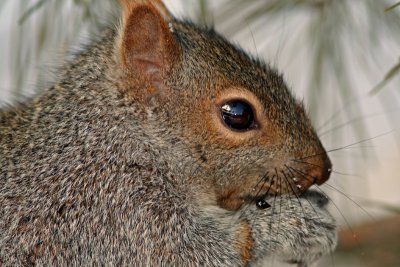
162 144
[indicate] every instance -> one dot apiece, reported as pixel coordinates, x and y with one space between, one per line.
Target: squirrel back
161 144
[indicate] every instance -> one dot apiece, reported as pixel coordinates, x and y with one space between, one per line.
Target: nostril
319 174
323 175
314 179
321 171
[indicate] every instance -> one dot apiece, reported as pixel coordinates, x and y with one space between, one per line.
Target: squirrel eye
237 114
262 204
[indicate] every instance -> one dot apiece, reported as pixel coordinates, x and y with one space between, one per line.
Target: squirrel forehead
210 58
208 55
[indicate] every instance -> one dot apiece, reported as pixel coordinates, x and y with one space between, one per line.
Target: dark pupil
237 114
262 204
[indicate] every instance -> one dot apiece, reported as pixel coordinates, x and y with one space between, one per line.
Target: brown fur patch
230 200
234 197
244 242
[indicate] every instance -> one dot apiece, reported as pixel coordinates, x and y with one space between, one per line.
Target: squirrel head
227 120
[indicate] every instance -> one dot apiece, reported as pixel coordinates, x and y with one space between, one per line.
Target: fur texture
119 163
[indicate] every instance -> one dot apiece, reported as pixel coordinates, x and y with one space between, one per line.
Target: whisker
280 190
345 106
287 179
349 198
269 188
333 171
289 186
310 202
265 178
298 199
341 192
359 142
346 146
311 205
272 217
345 174
355 119
252 37
288 168
279 215
301 174
294 192
334 204
371 146
341 214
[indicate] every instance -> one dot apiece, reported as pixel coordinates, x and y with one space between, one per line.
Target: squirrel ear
164 12
147 46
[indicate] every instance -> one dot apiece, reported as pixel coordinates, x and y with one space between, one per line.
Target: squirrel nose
322 169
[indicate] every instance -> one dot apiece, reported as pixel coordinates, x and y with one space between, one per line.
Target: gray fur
299 229
89 176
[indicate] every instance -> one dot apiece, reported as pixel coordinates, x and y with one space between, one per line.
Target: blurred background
342 57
